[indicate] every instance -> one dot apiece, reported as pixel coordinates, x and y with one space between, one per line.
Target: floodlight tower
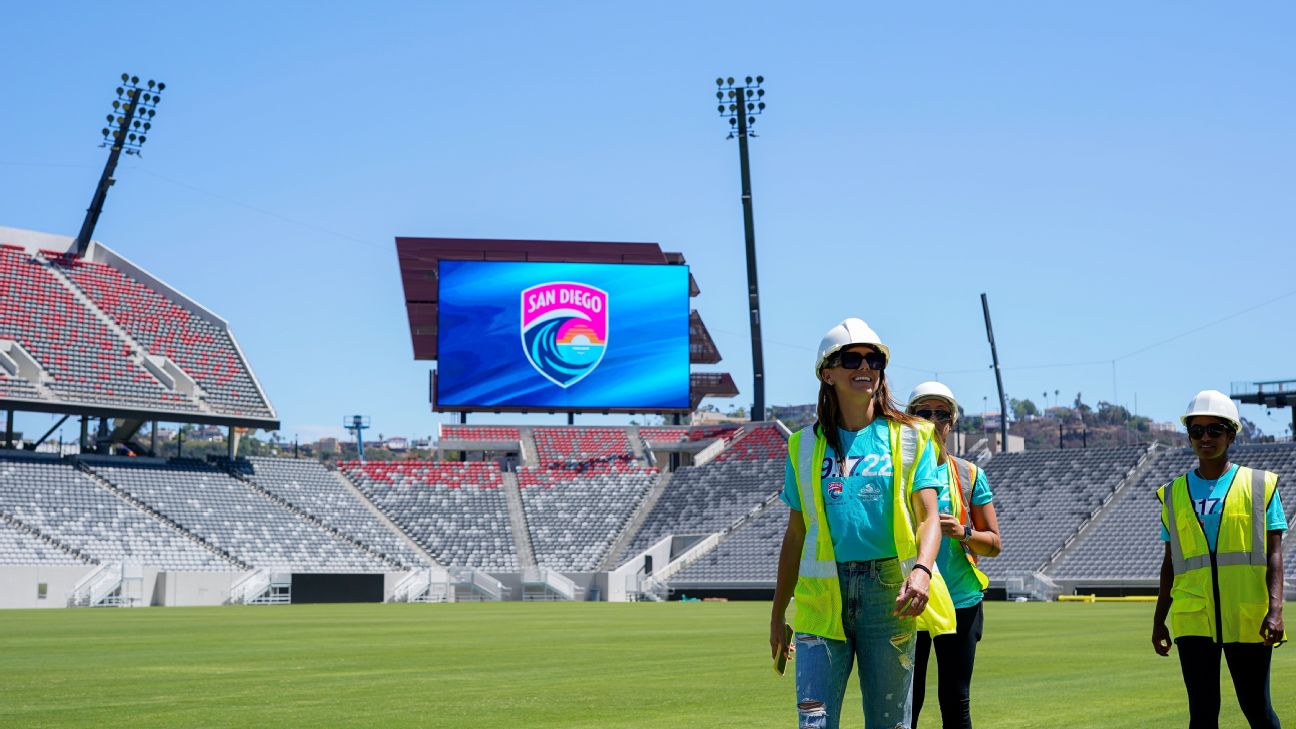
357 424
132 115
741 104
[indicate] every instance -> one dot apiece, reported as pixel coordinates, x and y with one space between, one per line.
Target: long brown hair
830 414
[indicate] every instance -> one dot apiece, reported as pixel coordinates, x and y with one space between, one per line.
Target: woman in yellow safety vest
1222 575
860 547
970 530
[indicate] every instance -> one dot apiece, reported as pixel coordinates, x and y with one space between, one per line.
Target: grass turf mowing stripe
515 665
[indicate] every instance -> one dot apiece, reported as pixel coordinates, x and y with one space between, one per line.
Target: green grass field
544 665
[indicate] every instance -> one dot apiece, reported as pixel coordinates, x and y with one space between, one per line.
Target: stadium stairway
530 454
715 541
46 539
137 348
517 520
159 516
381 516
1110 506
637 445
616 555
243 478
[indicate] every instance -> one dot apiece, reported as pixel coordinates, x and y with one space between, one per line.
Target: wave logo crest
564 330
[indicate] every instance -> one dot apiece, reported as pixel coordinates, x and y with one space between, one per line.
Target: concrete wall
188 589
19 584
620 580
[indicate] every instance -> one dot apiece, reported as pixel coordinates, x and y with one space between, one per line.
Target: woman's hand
951 527
1271 628
913 594
779 639
1161 639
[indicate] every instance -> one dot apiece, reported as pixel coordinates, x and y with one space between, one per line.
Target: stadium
586 538
525 513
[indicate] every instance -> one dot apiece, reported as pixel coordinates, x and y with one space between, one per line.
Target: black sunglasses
852 360
935 416
1214 429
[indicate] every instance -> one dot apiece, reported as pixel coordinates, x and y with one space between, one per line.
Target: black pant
1248 665
955 655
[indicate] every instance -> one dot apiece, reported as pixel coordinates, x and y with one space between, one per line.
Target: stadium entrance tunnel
316 587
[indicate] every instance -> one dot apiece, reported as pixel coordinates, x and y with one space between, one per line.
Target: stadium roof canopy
102 337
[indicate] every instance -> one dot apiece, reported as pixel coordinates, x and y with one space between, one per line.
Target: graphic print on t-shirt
864 476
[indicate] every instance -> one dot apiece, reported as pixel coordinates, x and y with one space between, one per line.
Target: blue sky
1112 174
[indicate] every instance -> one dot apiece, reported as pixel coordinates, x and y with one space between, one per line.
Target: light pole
357 424
741 104
132 115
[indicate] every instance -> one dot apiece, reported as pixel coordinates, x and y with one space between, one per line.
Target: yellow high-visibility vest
962 479
818 592
1222 594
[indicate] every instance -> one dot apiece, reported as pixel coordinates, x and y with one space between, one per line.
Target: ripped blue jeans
882 644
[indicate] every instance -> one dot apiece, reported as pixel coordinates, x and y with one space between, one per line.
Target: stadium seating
231 515
656 434
16 387
1042 497
201 348
574 520
480 433
749 554
88 363
58 500
309 486
584 450
758 443
706 499
17 547
1125 542
456 511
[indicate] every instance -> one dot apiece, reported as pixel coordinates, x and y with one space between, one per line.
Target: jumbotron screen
562 336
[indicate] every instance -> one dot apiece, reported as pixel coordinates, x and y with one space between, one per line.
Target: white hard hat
850 331
1213 402
934 389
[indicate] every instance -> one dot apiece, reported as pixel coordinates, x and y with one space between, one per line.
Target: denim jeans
882 644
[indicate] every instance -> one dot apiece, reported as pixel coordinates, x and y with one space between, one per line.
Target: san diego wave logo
834 490
564 330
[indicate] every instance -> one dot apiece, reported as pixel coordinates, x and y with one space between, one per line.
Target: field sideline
528 665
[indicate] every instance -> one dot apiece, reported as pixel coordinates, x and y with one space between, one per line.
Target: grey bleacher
457 512
311 487
1126 542
574 521
58 500
706 499
231 515
749 554
17 547
1042 497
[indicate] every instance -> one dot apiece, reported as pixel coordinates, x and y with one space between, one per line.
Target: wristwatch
967 534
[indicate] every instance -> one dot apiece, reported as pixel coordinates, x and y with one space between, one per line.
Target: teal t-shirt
858 493
1208 502
962 582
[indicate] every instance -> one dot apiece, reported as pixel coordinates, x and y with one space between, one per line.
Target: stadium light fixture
741 104
129 125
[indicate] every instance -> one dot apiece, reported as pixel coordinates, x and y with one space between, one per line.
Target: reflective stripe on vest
1257 556
964 475
818 591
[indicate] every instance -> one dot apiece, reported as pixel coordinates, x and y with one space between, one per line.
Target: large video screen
558 336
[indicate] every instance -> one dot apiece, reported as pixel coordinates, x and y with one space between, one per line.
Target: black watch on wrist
967 534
